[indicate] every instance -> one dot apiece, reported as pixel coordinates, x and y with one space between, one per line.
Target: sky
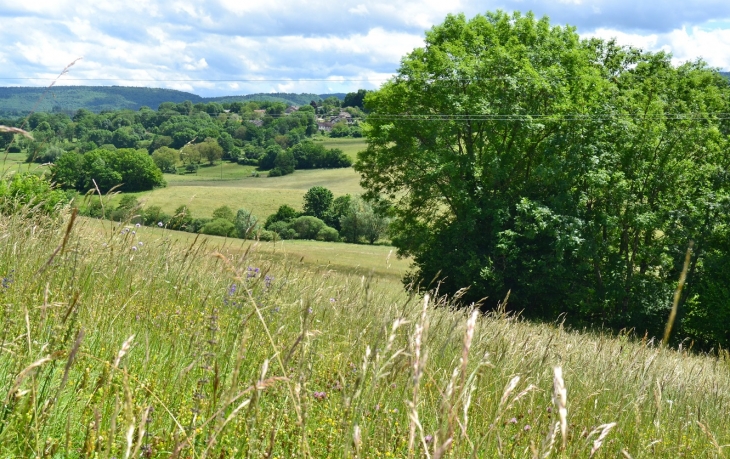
232 47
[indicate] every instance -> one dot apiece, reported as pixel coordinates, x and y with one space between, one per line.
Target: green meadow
144 342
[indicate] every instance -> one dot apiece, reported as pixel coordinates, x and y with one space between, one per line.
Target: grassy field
261 195
11 163
145 344
357 259
350 146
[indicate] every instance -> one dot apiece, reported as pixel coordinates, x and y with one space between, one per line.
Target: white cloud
347 45
359 9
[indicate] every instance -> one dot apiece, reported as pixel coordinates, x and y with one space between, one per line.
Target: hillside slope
17 101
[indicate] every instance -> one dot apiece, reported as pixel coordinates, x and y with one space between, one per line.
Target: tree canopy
573 173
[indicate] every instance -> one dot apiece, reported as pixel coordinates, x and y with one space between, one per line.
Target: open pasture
261 195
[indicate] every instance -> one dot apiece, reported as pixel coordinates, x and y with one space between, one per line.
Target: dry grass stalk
677 295
123 351
14 130
418 365
24 374
604 429
560 398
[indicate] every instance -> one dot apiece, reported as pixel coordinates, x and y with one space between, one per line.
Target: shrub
32 191
265 235
153 215
219 227
328 234
307 227
283 230
284 213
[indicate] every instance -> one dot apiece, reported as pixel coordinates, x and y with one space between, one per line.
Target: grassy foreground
129 344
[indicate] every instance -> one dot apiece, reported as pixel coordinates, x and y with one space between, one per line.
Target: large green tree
573 173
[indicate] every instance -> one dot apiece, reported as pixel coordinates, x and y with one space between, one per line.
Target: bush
219 227
153 215
284 213
328 234
283 230
32 191
265 235
307 227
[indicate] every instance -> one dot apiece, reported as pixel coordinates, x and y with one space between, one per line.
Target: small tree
318 202
210 150
246 224
225 213
165 158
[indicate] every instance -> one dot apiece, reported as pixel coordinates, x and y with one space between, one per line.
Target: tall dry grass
125 343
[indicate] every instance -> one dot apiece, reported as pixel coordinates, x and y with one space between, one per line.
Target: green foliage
31 192
131 170
246 224
283 229
328 234
153 216
578 186
355 99
283 164
318 202
284 214
311 155
181 219
210 150
340 207
225 213
166 159
361 221
307 227
219 227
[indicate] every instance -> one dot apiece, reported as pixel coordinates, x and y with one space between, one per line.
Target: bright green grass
106 351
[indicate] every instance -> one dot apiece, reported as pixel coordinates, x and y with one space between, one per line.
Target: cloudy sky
226 47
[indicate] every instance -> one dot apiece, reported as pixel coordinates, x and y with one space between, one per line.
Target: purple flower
527 428
428 439
134 232
512 421
268 280
320 395
309 310
134 247
140 243
232 290
332 300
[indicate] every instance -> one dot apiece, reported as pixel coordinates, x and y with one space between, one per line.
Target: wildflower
134 232
140 243
512 421
527 428
268 280
332 300
309 310
232 290
160 224
134 247
137 225
428 439
320 395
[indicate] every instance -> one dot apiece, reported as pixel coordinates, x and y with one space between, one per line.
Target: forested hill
16 101
725 74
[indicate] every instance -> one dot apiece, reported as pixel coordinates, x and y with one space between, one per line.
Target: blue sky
316 46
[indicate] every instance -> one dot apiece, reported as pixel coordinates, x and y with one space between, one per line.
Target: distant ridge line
18 100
